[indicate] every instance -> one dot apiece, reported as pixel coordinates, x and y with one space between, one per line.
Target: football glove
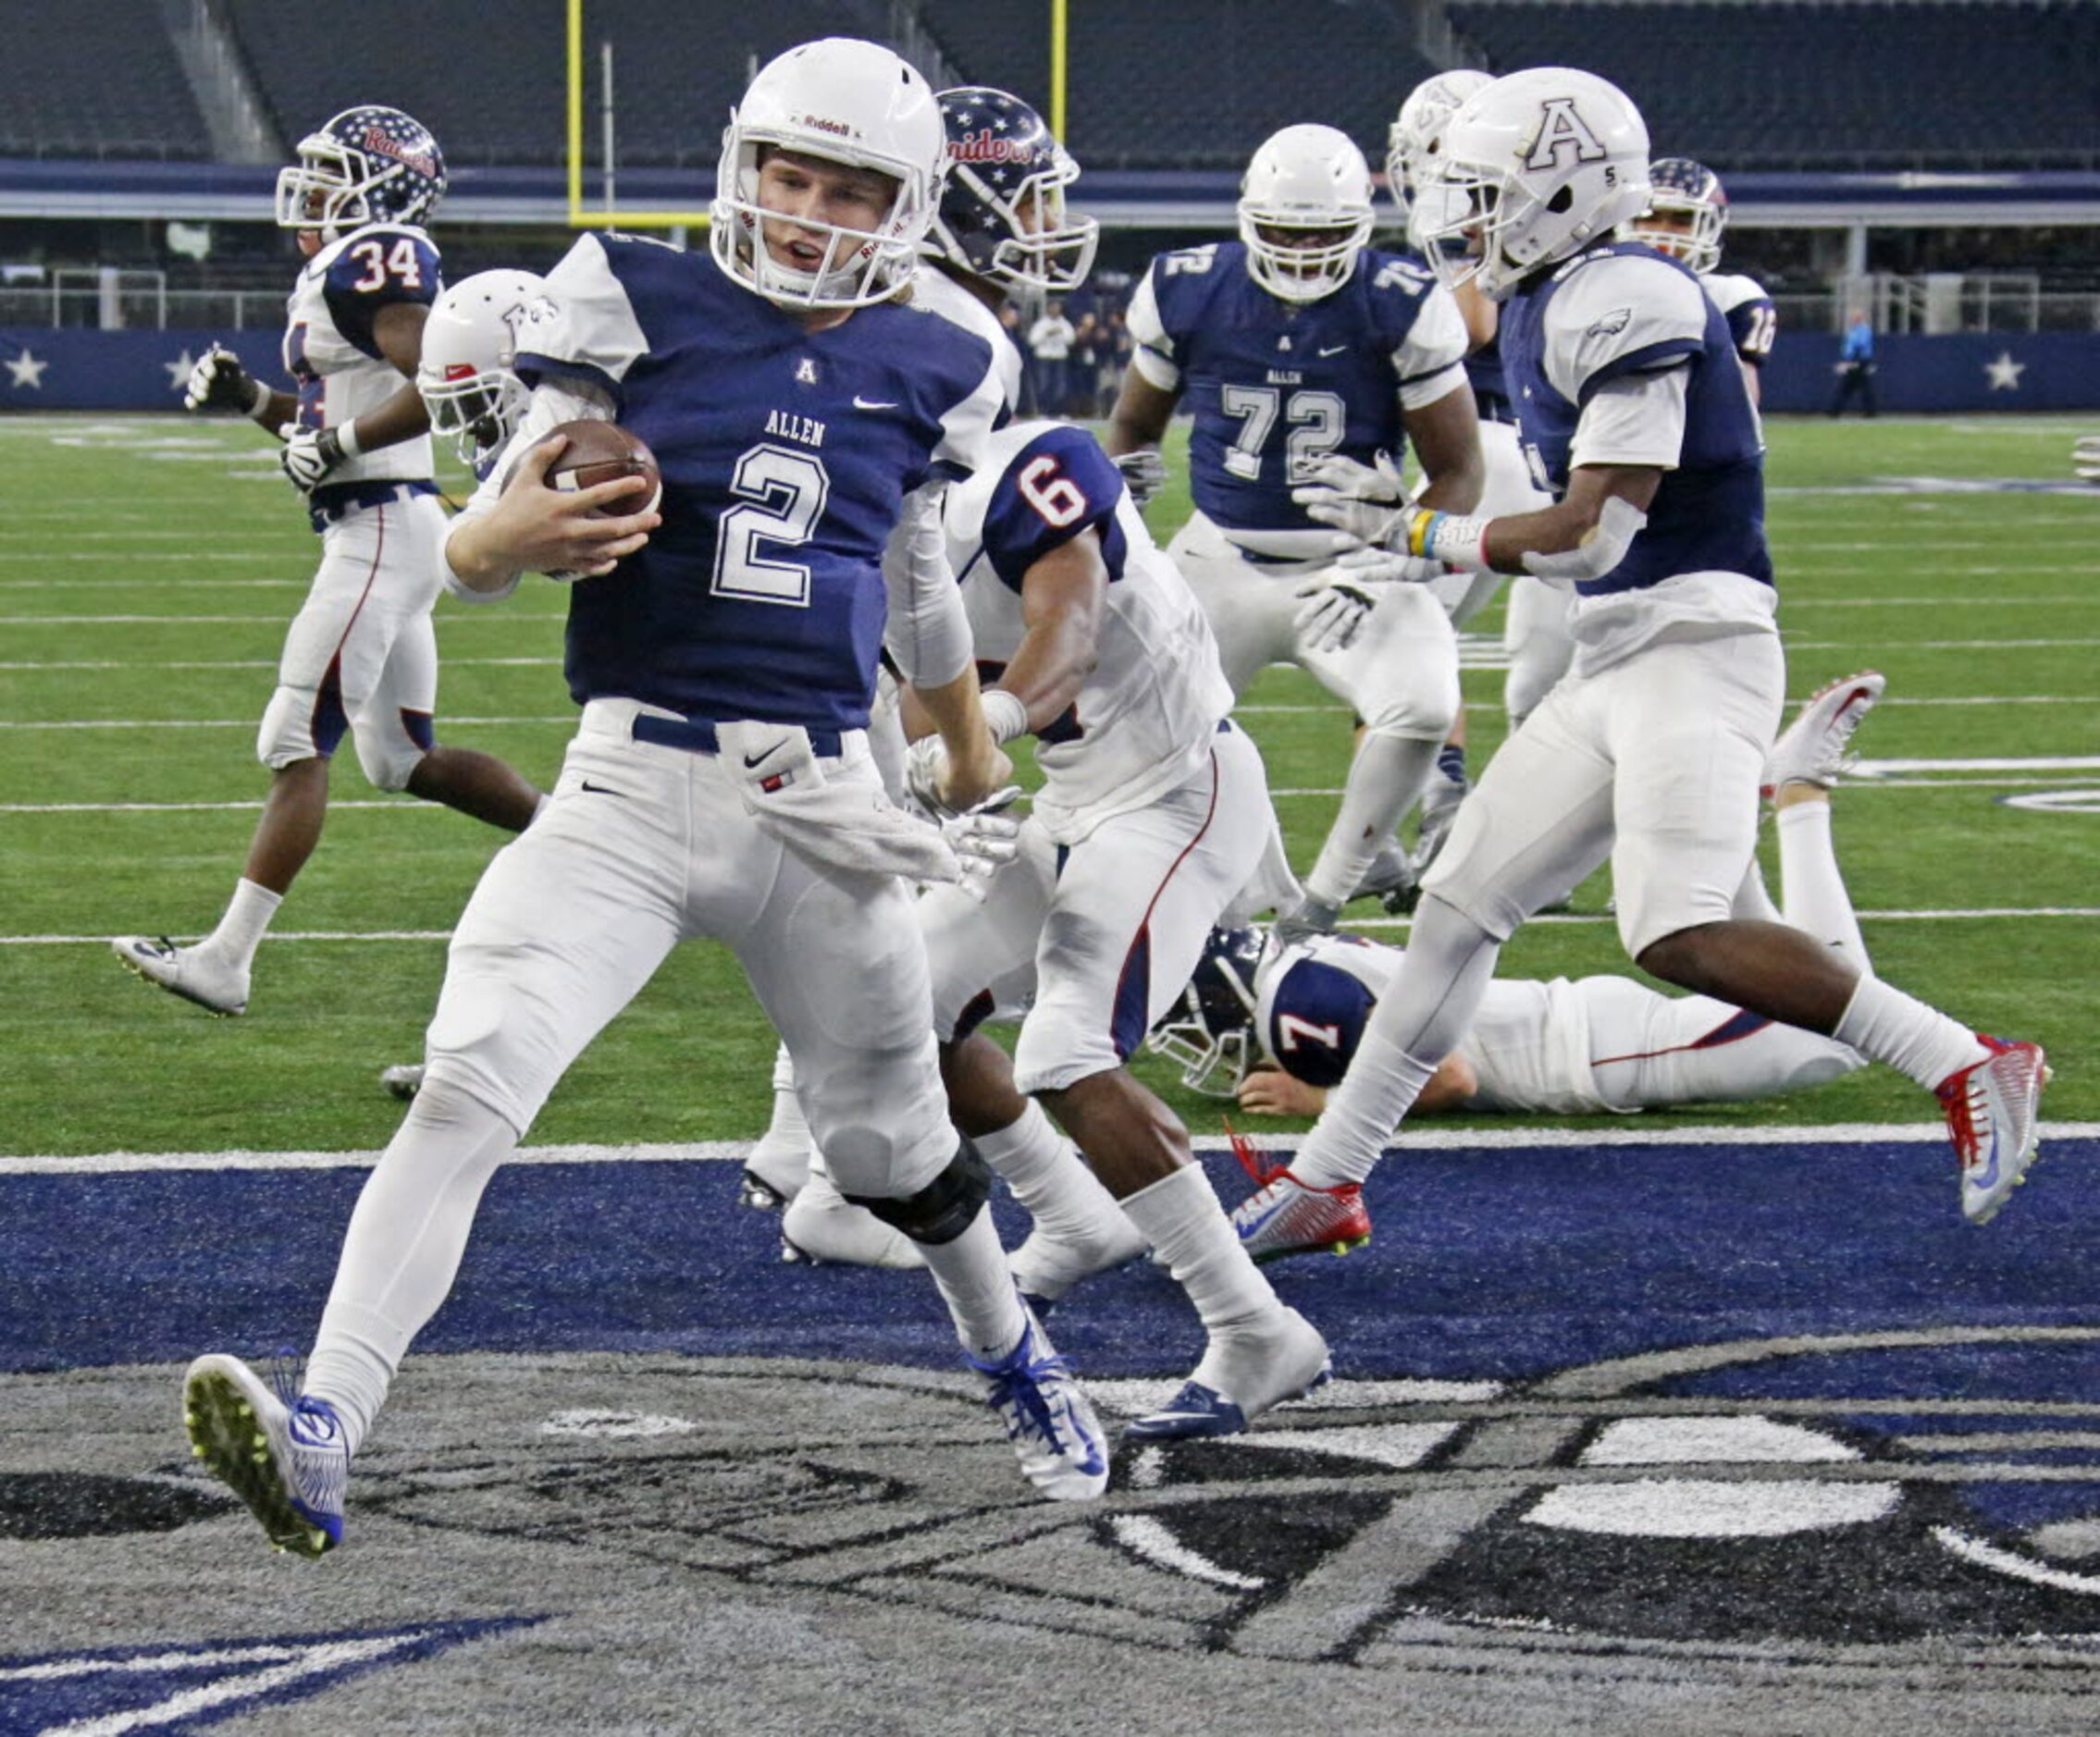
1362 501
1144 474
1382 566
984 839
1333 612
311 453
219 382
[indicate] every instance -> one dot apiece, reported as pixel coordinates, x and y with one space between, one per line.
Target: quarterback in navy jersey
1295 347
724 650
361 658
1650 754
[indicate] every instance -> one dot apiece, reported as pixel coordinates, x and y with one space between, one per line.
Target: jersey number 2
781 497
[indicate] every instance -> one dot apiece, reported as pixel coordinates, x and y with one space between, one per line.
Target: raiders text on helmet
1002 214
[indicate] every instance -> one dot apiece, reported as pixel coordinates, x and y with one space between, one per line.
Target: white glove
1379 566
1334 612
2085 455
925 770
1144 474
984 839
311 453
1362 501
219 382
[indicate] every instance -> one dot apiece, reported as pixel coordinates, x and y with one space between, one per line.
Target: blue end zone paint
1501 1264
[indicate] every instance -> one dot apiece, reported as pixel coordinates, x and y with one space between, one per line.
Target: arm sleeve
584 329
1431 360
1635 419
552 405
1153 355
1622 315
928 632
386 267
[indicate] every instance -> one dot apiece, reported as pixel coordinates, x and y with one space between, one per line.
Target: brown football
601 453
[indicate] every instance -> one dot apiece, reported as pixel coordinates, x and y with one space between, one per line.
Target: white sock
1193 1240
404 1247
1817 902
978 1289
1422 1016
1065 1198
1384 780
241 930
1886 1024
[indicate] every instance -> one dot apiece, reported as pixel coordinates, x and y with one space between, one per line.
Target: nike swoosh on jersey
871 404
1332 349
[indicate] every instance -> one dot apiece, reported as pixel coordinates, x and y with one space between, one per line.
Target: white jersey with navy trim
934 292
1275 387
331 349
1147 714
1752 317
786 454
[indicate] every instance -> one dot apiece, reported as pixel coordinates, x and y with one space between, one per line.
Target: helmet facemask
1033 240
1317 260
477 408
330 188
1688 229
859 266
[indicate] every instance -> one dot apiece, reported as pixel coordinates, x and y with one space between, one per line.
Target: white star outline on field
28 370
2005 372
179 370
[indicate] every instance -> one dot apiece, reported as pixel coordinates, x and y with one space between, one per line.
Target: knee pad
301 723
945 1208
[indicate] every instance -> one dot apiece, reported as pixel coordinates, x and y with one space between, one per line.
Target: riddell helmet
1685 214
368 165
1312 180
469 344
1211 1032
1530 172
1002 215
848 101
1416 132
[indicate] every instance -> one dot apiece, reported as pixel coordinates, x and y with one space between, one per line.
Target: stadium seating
1876 86
130 102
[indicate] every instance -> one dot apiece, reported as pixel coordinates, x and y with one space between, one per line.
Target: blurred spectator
1854 366
1050 341
1115 350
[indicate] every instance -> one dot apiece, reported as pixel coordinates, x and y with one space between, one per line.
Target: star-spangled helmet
1685 214
1412 137
1002 214
367 165
1530 172
1313 180
844 101
470 343
1210 1031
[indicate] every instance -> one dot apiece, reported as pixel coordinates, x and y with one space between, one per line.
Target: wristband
260 401
1445 537
1005 714
346 439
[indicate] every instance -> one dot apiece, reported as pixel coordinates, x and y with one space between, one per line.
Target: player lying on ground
1650 752
362 655
720 783
1278 1028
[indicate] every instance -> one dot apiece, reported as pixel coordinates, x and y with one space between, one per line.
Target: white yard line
225 724
1415 1137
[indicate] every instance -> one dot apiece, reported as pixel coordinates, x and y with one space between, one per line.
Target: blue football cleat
1242 1375
281 1453
1048 1420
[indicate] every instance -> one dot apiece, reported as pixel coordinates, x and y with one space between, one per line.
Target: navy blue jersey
785 456
1275 385
1484 372
1611 313
1753 319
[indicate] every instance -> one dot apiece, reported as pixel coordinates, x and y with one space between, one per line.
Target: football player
1687 214
468 375
1296 343
1650 752
721 783
360 657
1153 821
1600 1044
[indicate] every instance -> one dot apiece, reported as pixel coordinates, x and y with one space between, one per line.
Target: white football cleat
1048 1419
191 972
281 1453
1993 1109
1811 750
1244 1373
404 1079
821 1228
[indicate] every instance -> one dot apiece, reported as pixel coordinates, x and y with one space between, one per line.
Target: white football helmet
1312 181
1530 172
470 343
1412 137
848 101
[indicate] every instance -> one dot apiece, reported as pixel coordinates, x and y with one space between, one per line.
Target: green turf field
148 567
